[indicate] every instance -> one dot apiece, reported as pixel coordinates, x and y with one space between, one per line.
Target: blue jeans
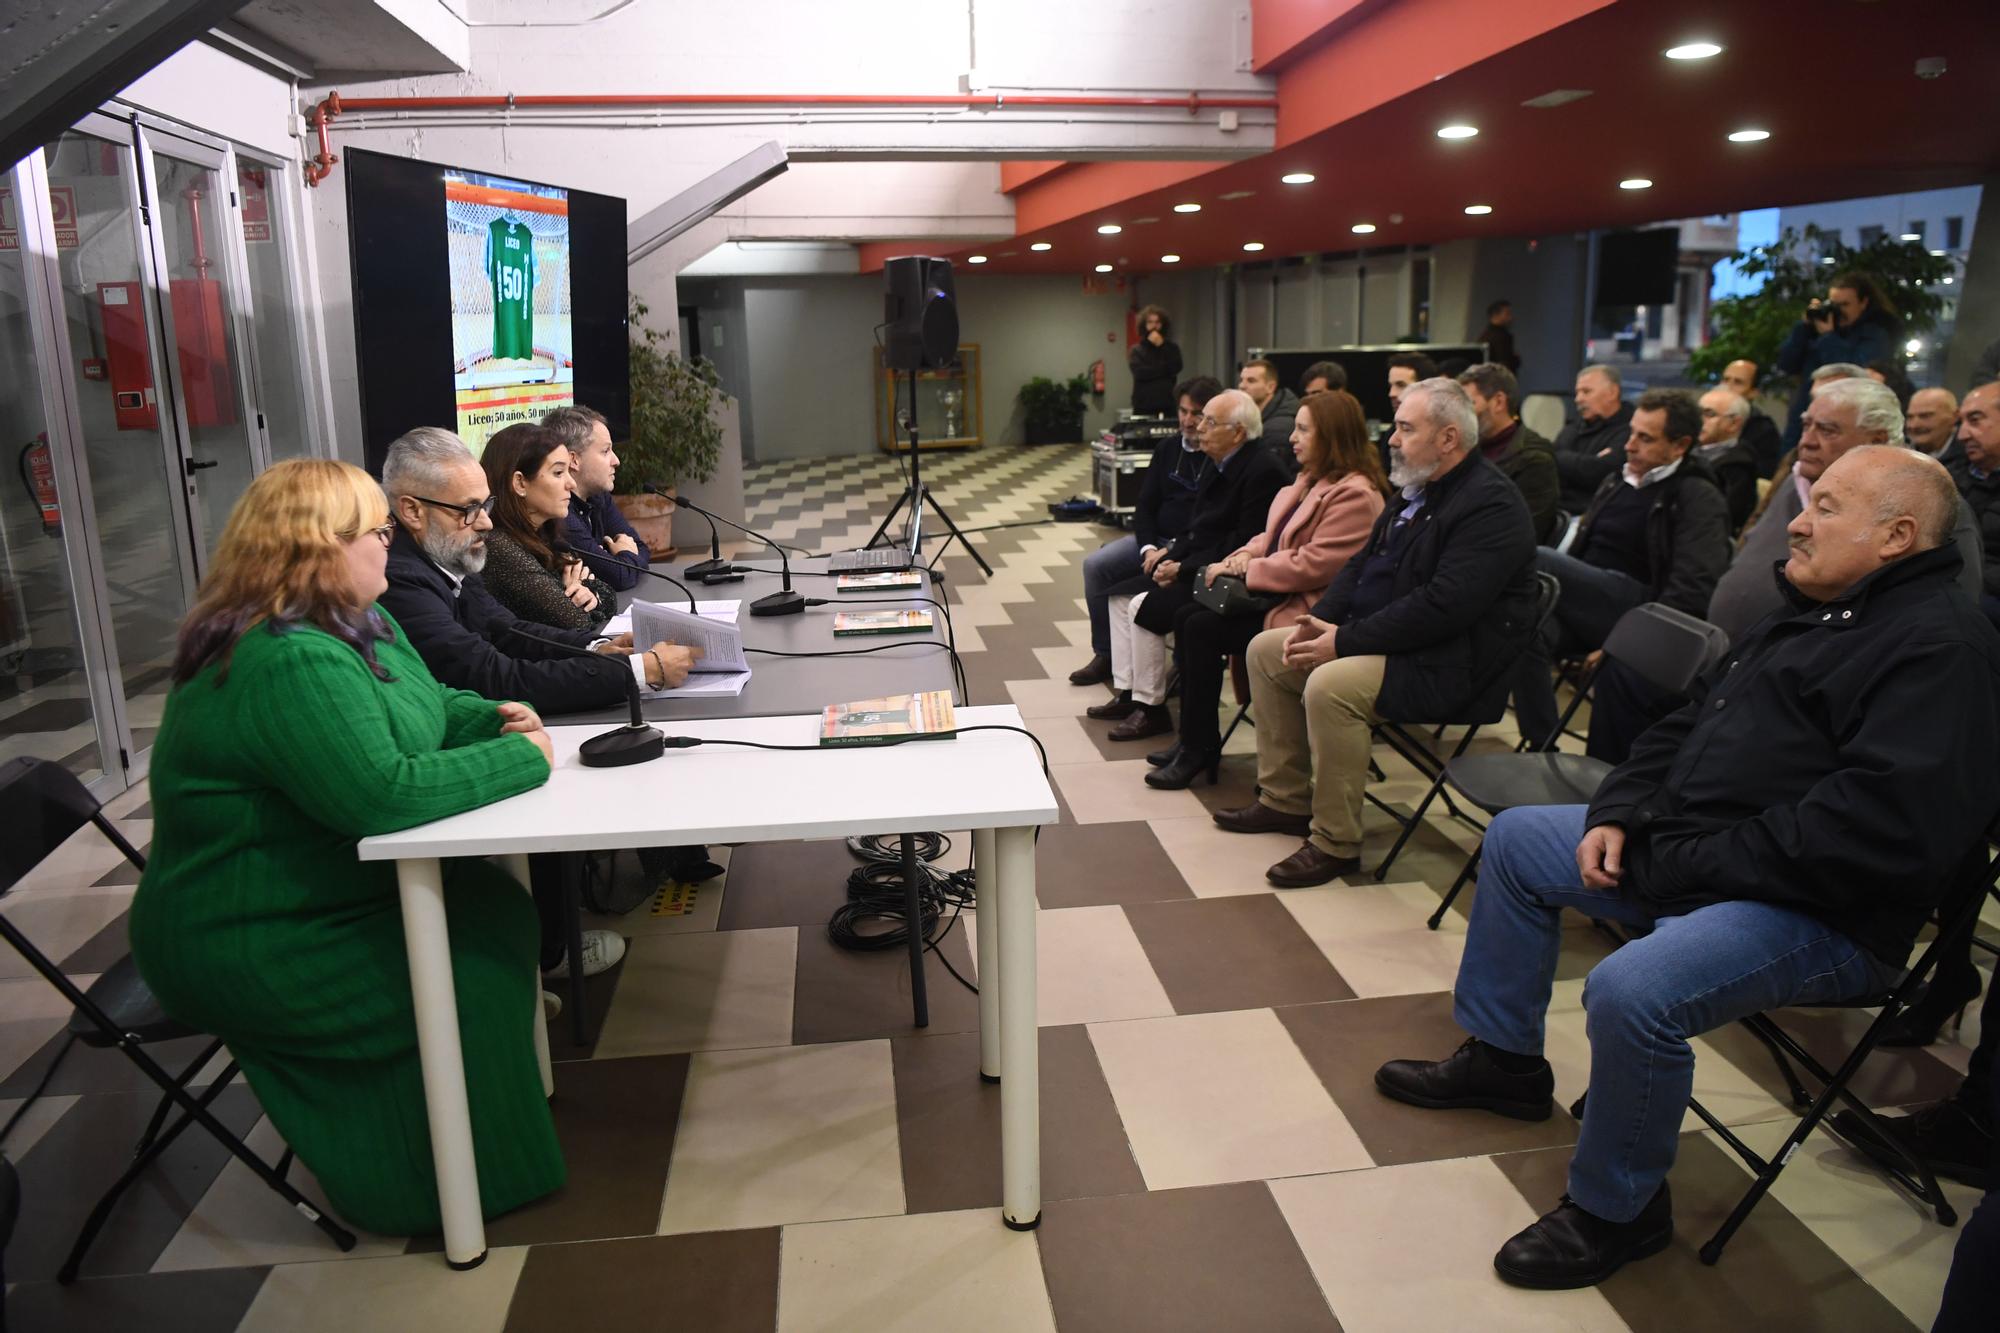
1693 973
1103 569
1592 601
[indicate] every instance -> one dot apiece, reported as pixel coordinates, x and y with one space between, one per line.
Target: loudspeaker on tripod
920 314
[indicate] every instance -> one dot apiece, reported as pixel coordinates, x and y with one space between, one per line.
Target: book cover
881 622
890 580
896 717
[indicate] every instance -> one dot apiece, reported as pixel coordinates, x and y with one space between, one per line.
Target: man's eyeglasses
467 514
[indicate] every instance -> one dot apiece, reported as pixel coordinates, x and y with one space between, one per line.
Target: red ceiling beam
1015 175
1280 29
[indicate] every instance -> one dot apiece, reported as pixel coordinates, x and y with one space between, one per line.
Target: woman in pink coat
1316 524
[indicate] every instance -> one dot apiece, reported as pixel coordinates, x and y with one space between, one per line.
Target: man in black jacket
1166 501
1418 627
1785 835
1277 407
1587 449
1656 532
1760 433
1725 453
596 529
1511 445
1978 480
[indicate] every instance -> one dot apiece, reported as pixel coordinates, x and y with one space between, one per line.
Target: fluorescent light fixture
1238 194
1170 259
1911 236
1143 222
1458 131
1938 253
1946 280
1109 229
1362 228
975 259
1104 268
1040 246
1692 51
1479 210
1253 245
1635 183
1187 208
1749 136
1298 178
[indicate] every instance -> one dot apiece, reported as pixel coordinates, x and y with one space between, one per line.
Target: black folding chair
1405 740
41 806
10 1210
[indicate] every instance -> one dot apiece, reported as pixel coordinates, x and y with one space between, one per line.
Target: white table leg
517 866
986 926
421 882
1020 1057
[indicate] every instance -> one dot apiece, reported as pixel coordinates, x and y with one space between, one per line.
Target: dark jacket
1280 415
1231 507
1766 444
1165 504
1530 463
1873 337
590 522
1687 535
1154 373
463 639
1577 463
1736 472
1499 346
1982 496
1815 767
1464 598
531 591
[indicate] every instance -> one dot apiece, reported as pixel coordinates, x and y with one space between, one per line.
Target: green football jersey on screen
510 267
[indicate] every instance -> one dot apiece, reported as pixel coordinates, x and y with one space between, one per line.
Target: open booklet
720 641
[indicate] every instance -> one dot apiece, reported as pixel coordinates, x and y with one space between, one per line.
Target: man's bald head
1873 506
1740 377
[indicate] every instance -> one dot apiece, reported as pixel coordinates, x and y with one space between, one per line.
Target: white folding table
990 782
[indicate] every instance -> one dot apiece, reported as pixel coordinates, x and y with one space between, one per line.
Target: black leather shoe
1470 1077
1113 709
1183 769
1949 1139
1573 1248
1257 817
1167 756
1942 1001
1309 867
1145 722
1094 672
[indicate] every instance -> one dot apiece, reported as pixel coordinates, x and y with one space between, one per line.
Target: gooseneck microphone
715 565
785 602
561 547
636 741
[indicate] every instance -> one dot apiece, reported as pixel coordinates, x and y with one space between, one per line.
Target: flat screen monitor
1367 367
1638 267
481 300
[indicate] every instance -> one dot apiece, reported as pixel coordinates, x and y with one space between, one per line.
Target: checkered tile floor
757 1137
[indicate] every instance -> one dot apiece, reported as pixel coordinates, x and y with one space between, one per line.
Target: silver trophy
951 400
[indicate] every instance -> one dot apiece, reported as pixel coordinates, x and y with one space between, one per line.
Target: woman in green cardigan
300 722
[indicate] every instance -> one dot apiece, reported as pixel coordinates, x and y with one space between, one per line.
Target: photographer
1855 322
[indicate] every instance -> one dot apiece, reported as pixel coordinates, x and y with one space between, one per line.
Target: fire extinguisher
1097 376
38 474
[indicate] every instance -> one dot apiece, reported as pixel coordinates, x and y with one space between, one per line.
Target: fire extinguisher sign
38 474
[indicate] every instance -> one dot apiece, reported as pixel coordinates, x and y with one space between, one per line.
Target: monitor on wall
1638 267
481 300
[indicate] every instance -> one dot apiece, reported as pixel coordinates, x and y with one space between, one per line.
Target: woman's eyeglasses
384 534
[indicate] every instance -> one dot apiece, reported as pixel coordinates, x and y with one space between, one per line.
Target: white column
1020 1090
516 864
986 926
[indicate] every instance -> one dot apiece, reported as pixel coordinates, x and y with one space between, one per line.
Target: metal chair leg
1465 874
102 1212
1410 826
167 1102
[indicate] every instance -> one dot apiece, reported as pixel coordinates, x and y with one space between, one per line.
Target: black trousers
1972 1291
1203 641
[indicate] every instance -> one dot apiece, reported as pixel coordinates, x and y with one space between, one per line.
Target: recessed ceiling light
1827 260
1253 245
1109 229
1238 194
1635 183
1946 280
975 259
1692 51
1911 236
1187 208
1362 228
1040 245
1458 131
1143 222
1170 259
1104 268
1749 136
1479 210
1298 178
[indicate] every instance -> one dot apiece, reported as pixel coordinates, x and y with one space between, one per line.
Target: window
1915 229
1954 233
1870 235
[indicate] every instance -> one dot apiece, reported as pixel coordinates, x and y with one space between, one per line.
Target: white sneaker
551 1004
601 951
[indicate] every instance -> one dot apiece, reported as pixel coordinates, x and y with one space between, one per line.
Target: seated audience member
1155 362
1405 369
1931 425
1166 502
529 569
1276 407
1322 377
1855 325
1433 607
1785 835
1843 415
1724 452
596 528
1315 525
1232 496
1825 375
1759 431
1512 446
1657 532
301 721
1979 483
1590 448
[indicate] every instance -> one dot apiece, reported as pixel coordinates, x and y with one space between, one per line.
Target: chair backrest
1668 649
41 806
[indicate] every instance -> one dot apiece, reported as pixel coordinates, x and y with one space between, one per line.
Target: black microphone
715 566
782 603
633 743
561 547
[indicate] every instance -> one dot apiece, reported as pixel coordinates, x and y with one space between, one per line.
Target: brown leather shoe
1094 672
1309 866
1257 817
1147 721
1114 709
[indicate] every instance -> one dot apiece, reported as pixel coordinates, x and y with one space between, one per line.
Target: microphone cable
950 631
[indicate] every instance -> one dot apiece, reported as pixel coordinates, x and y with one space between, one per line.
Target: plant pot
1054 432
652 517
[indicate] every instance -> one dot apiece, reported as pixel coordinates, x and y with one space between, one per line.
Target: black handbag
1230 595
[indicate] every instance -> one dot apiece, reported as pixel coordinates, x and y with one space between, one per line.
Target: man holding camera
1854 323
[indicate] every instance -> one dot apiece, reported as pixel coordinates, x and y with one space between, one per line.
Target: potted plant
675 436
1052 410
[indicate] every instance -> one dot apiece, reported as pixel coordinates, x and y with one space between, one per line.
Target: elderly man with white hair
1419 627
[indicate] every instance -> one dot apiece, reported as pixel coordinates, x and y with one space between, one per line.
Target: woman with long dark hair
300 722
1156 363
529 567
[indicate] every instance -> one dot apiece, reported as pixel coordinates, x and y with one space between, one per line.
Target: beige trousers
1313 738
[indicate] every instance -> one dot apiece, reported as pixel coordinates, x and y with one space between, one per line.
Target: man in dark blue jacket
1854 324
597 530
1419 626
1785 835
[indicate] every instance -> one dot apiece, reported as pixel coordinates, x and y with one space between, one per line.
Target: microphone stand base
790 602
629 744
707 568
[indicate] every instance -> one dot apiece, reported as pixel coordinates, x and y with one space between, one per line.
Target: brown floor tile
843 995
1233 953
1235 785
1218 1257
786 884
1886 1078
598 993
717 1282
1345 1043
201 1301
1099 865
1775 1273
948 1122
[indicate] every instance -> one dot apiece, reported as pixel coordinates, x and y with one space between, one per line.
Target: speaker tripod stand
917 495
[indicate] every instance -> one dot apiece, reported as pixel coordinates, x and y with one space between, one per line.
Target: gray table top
780 685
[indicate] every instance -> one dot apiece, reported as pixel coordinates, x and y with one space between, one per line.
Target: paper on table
716 684
622 622
720 642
